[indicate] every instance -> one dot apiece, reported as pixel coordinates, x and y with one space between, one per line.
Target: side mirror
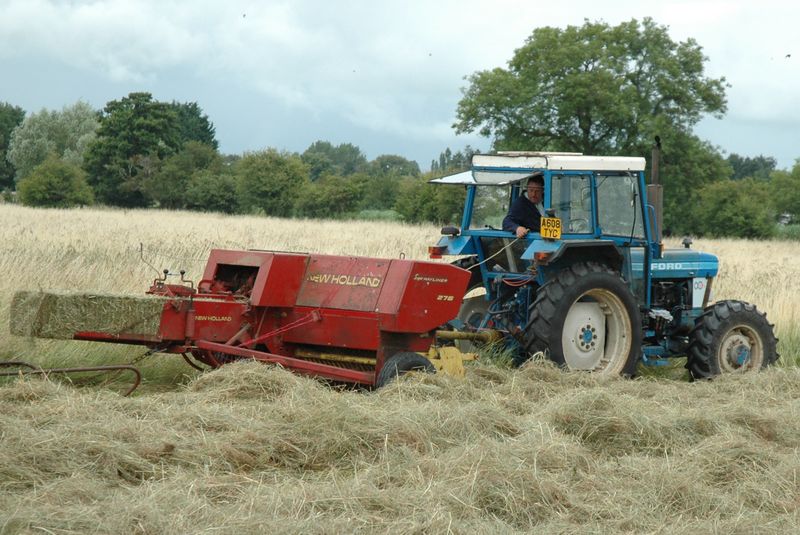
451 231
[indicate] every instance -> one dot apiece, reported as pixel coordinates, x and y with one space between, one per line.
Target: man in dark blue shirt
525 213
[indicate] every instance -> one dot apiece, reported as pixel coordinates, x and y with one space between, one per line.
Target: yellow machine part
449 360
446 359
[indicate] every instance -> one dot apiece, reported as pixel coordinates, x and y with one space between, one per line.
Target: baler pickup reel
347 319
25 368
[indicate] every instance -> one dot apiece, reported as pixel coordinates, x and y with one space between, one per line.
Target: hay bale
60 315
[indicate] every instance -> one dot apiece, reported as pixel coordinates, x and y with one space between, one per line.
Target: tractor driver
526 212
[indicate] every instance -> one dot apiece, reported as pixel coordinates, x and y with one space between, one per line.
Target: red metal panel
173 320
351 329
279 280
278 277
392 293
431 297
237 258
347 283
216 320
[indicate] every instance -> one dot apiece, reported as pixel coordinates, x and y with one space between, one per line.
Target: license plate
550 228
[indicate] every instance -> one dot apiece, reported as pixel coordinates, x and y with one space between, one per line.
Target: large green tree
168 186
330 196
65 134
10 118
392 165
784 188
595 89
55 184
269 182
194 125
738 208
418 201
324 158
208 191
606 90
377 192
758 167
135 134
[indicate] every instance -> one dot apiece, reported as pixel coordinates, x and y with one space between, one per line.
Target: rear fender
566 253
457 245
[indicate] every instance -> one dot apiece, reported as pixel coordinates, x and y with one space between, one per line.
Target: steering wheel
579 224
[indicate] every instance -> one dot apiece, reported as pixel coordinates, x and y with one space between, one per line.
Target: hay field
98 251
253 449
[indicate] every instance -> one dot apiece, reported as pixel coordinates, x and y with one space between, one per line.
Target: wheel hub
586 338
736 351
583 335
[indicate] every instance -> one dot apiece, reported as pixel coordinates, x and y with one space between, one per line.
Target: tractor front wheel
730 337
401 364
585 318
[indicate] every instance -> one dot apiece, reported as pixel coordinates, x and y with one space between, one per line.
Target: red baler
336 317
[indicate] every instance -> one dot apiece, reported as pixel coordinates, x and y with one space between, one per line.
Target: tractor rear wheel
730 337
585 318
474 306
400 364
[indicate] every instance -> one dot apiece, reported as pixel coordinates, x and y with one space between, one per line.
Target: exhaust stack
655 194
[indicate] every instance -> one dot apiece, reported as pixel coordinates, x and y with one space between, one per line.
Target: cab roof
508 167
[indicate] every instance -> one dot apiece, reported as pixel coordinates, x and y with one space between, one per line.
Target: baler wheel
400 364
585 318
730 337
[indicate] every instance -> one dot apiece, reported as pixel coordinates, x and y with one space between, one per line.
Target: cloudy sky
385 76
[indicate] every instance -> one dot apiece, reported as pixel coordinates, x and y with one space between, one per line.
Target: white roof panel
458 178
596 163
507 162
517 161
491 177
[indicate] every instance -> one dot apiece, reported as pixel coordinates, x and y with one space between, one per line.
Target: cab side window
571 198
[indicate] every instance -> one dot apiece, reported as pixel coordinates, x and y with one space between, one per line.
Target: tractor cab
593 207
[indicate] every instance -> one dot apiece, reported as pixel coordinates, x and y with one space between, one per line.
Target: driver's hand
522 232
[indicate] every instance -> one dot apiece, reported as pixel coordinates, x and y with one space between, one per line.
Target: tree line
138 152
595 89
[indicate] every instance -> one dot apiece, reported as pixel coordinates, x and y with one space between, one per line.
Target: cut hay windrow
60 315
252 448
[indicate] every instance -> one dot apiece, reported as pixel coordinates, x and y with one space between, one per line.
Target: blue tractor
594 289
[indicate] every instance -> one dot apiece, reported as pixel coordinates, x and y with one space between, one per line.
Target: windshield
490 207
619 205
